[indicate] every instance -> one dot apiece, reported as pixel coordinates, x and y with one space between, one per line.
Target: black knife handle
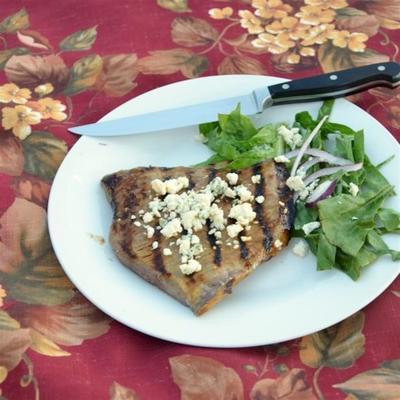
336 84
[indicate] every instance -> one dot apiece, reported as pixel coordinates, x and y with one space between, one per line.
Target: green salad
339 194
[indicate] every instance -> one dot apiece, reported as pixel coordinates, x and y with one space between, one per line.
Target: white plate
284 299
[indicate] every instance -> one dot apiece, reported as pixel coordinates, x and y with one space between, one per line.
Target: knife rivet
285 86
381 68
333 77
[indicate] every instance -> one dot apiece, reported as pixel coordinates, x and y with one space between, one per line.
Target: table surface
70 62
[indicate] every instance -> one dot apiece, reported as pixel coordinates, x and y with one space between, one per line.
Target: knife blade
320 87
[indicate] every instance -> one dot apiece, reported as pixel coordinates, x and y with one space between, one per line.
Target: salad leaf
390 219
237 124
237 143
326 109
352 224
326 253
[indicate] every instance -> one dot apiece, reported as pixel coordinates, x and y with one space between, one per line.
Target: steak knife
320 87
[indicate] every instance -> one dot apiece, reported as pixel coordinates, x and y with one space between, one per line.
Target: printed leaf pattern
336 347
67 324
5 55
204 378
15 22
8 323
28 267
11 156
118 75
43 154
43 345
119 392
334 58
13 343
164 62
84 74
191 32
240 65
290 385
33 39
81 40
379 384
30 71
179 6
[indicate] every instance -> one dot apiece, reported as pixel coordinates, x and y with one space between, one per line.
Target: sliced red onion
306 145
308 164
323 155
331 171
322 191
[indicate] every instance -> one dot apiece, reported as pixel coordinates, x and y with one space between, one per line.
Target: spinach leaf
325 109
326 253
390 219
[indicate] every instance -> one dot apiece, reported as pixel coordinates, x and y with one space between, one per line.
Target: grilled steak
223 266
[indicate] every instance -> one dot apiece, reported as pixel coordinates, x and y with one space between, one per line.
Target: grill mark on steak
212 172
191 183
158 259
244 251
285 196
259 208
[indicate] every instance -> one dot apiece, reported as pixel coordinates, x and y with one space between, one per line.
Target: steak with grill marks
223 266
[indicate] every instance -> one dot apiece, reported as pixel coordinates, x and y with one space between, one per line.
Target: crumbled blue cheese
295 183
243 193
291 136
278 244
260 199
149 232
159 186
154 245
232 178
243 213
281 159
353 189
189 211
176 185
216 216
217 186
167 252
300 248
230 193
172 228
233 230
190 267
147 217
310 227
137 223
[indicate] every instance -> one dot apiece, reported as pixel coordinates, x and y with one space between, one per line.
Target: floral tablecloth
69 62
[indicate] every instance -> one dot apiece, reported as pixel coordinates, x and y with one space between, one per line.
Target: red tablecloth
73 61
